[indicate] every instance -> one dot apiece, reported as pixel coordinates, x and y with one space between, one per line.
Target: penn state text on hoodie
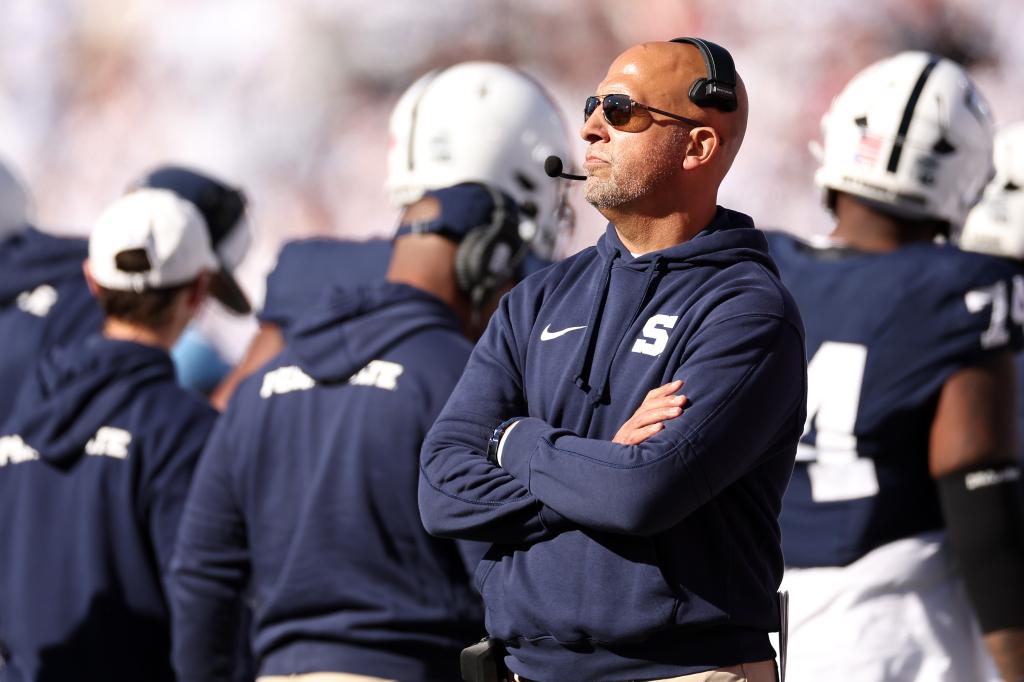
44 302
306 496
95 464
614 562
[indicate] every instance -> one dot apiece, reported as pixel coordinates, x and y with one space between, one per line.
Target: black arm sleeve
984 511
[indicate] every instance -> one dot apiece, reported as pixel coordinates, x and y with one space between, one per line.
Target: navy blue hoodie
614 562
95 464
307 267
306 496
44 302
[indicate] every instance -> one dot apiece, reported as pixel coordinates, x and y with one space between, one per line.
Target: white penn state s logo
655 335
109 442
38 301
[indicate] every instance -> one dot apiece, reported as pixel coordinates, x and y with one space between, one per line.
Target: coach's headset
718 89
488 255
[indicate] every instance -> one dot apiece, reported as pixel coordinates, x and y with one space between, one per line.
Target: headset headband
718 89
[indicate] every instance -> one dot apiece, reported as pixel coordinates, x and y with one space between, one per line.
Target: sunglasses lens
589 107
618 109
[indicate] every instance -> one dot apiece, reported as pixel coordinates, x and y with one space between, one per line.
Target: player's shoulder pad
950 269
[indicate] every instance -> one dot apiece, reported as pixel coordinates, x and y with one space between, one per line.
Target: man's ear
94 288
701 148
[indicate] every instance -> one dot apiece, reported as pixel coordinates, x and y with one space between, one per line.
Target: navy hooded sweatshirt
306 268
306 498
95 464
44 302
613 562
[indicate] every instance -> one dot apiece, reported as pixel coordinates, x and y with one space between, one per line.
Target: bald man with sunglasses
634 530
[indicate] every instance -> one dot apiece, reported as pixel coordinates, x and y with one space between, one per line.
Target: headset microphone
553 167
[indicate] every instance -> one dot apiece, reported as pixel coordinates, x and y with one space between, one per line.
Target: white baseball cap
167 229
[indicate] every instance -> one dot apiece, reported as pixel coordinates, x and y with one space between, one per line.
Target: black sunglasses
619 112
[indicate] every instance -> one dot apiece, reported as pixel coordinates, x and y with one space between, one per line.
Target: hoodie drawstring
602 386
590 339
590 335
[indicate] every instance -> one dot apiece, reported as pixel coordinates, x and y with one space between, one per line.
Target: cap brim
226 290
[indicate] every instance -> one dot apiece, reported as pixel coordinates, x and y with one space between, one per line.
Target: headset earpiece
487 257
718 89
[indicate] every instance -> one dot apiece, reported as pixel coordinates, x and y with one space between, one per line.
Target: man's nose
595 128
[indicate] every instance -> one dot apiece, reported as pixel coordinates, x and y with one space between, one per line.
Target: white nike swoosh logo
547 335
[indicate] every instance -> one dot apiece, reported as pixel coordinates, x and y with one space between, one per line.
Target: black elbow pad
984 512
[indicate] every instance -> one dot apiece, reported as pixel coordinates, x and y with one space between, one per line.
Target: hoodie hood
75 390
30 258
351 327
728 239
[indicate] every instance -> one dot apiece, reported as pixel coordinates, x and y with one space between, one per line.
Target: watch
495 440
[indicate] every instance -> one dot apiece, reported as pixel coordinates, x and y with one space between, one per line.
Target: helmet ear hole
943 146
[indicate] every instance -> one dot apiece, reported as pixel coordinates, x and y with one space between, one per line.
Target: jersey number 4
834 378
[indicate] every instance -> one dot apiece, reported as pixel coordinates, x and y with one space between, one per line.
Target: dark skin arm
975 426
267 343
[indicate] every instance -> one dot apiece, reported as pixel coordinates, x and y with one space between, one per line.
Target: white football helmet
14 202
1009 159
996 225
482 122
912 135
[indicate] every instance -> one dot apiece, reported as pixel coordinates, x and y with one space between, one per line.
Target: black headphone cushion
486 260
705 93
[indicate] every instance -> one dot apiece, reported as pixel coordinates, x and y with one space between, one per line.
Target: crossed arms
745 378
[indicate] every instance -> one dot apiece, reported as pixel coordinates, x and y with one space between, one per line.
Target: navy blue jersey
44 302
615 562
307 268
95 464
884 333
306 496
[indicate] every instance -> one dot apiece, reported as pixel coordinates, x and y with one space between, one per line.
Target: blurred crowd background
290 100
